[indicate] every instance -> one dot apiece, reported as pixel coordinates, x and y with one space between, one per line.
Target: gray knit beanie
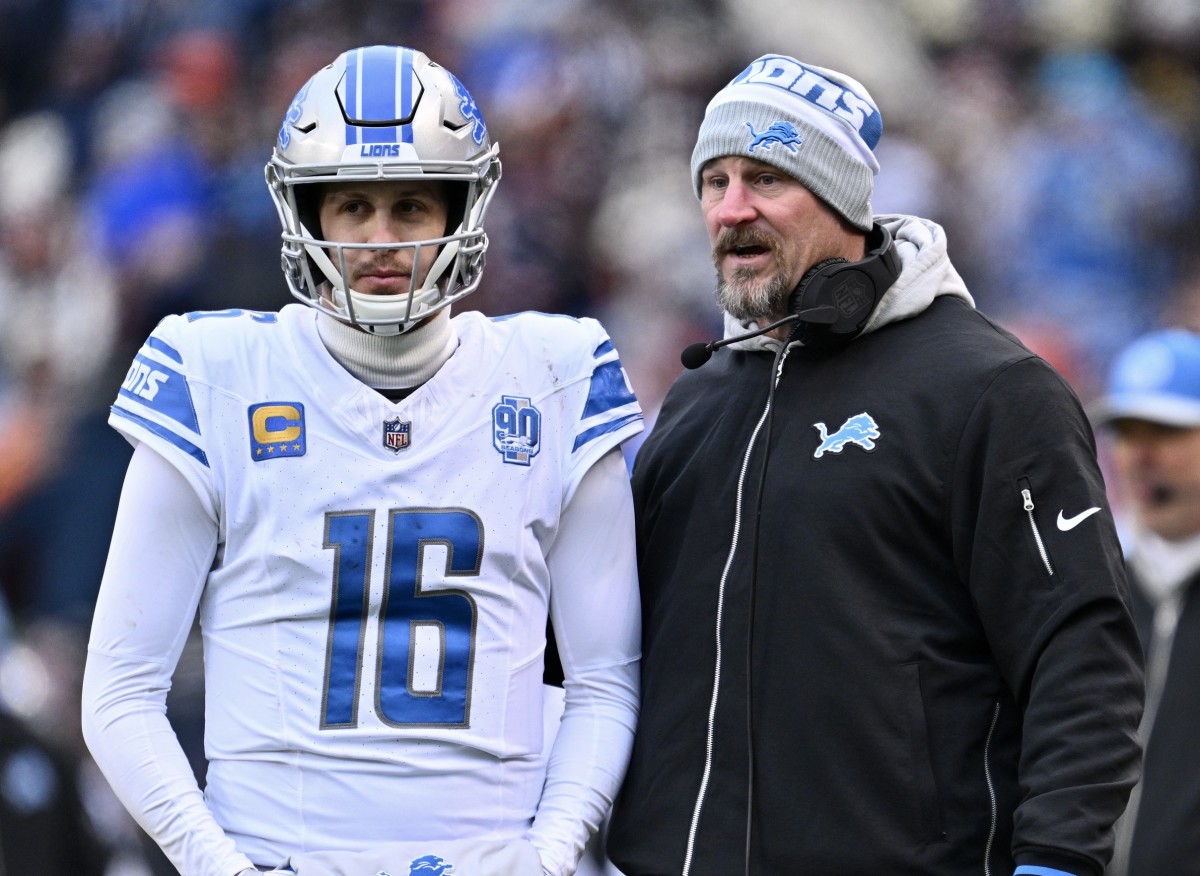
816 125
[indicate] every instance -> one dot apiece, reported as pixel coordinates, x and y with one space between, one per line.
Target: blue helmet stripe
404 111
379 88
352 90
378 93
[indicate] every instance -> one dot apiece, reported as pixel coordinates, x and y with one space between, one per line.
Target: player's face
1158 472
766 230
383 212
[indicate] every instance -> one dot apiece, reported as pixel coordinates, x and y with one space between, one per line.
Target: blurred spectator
29 33
558 129
148 202
651 273
56 293
46 807
42 819
1152 410
58 298
22 423
1082 200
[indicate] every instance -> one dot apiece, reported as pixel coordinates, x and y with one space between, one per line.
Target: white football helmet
382 113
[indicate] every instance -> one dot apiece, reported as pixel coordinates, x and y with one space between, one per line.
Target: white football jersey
378 603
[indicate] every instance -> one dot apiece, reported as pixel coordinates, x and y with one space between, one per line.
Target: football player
373 508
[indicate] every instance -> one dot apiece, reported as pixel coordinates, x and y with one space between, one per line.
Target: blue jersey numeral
407 609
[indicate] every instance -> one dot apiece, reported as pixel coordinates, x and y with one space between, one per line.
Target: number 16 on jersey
426 638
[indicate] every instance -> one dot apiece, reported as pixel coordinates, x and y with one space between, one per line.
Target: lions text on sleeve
378 604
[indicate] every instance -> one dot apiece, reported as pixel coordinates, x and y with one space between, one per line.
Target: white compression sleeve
163 545
596 613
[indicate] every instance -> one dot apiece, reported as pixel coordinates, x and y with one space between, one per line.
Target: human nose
382 228
736 205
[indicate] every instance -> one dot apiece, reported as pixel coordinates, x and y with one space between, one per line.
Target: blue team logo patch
783 133
276 430
861 429
430 865
470 111
292 116
516 429
397 434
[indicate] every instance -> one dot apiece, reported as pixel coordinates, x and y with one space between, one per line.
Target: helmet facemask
408 119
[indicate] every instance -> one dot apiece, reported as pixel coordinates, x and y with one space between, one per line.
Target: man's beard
741 294
744 298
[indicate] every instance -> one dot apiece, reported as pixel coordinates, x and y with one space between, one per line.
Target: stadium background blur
1056 140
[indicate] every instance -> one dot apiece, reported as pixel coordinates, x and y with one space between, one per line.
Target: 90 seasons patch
516 429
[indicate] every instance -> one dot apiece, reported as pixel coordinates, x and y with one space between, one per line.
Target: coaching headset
832 302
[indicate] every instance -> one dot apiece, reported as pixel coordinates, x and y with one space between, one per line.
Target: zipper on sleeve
1027 505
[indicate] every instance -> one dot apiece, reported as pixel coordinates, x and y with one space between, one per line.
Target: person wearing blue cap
1151 410
885 617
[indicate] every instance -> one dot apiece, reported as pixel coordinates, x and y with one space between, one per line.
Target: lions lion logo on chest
861 429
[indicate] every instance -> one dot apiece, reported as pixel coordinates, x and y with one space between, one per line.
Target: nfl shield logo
851 294
396 434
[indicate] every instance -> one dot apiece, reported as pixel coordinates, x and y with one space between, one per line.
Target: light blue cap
1157 379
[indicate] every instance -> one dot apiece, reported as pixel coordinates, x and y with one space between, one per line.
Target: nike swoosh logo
1065 524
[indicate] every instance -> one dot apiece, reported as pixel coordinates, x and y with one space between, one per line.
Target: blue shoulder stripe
1031 870
604 428
609 390
162 389
164 348
166 434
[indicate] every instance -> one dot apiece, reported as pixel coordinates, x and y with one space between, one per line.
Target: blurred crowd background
1056 141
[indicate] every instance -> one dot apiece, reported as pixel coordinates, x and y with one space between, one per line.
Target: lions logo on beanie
816 125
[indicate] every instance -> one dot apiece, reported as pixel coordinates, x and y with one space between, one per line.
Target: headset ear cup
841 295
807 293
807 296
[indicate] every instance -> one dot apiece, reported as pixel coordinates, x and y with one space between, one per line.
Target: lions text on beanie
816 125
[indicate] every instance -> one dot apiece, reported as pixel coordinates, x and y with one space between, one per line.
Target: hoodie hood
925 274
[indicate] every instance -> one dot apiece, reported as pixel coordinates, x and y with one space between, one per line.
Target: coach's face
384 212
766 231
